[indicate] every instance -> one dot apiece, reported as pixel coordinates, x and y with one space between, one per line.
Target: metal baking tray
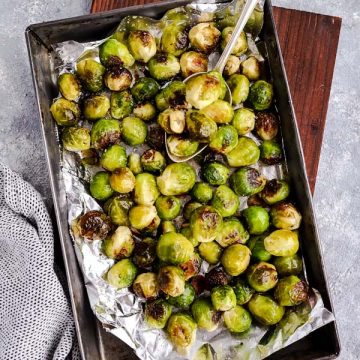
95 343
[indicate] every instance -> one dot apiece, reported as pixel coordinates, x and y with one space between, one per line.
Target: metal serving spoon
219 67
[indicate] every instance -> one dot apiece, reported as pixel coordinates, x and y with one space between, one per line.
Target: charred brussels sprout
192 266
202 192
145 191
244 121
117 78
113 52
114 157
69 86
224 140
134 163
275 191
118 208
142 45
76 139
144 218
265 310
168 207
291 291
205 315
241 45
145 253
133 131
172 96
204 37
282 243
96 107
120 245
122 180
235 259
100 187
251 68
121 104
91 74
261 95
215 173
189 208
255 200
245 153
181 146
223 297
172 121
122 274
219 111
93 225
288 265
184 300
262 276
257 219
193 62
247 181
210 252
225 201
153 161
163 66
200 127
167 226
237 319
243 292
232 232
216 277
285 216
239 86
104 132
145 286
145 89
181 329
174 39
176 179
171 280
65 112
157 313
232 65
270 152
258 251
266 125
145 111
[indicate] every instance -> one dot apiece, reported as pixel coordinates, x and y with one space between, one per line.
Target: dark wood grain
309 44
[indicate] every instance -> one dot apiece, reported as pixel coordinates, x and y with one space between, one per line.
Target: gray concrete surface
337 195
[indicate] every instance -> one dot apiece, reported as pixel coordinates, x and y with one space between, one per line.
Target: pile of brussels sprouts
162 221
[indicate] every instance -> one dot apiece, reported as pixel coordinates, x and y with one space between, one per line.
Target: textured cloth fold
35 316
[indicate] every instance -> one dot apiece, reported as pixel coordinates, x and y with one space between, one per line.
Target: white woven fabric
35 317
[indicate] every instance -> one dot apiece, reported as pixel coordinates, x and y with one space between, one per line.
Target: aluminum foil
121 311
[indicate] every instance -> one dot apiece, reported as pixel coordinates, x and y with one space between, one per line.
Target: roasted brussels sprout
168 226
210 252
181 146
255 200
239 86
262 276
247 181
100 187
192 266
232 65
186 231
257 219
174 39
258 251
134 163
241 45
91 74
157 313
205 315
189 208
285 216
232 232
117 78
275 191
265 310
172 121
121 104
216 277
193 62
133 131
176 179
237 319
168 207
142 45
225 201
122 180
145 253
118 208
164 66
184 300
171 280
244 121
76 138
145 286
235 259
145 89
65 112
266 125
243 292
202 192
199 126
181 329
135 22
104 132
144 218
177 15
93 225
288 265
114 157
291 291
120 245
204 37
224 140
145 111
69 86
145 191
115 53
215 173
251 68
220 111
245 153
223 297
282 243
153 161
261 95
122 274
172 96
270 152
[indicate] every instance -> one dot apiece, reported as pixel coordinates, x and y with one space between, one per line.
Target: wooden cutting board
309 44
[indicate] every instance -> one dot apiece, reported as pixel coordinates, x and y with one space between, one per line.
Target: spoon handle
240 24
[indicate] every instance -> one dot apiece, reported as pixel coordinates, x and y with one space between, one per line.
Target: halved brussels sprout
168 207
114 157
223 297
204 37
258 251
118 208
225 201
291 291
205 315
133 131
210 252
235 259
245 153
285 216
121 104
257 219
265 309
239 86
192 266
288 265
215 173
266 125
172 96
122 180
142 45
145 253
145 89
93 225
104 132
171 280
184 300
200 127
232 232
275 191
237 319
282 243
243 292
134 163
261 95
244 121
113 52
186 231
241 45
100 187
91 74
157 313
193 62
69 86
174 39
247 181
232 65
189 208
224 140
255 200
153 161
76 138
251 68
181 329
202 192
65 112
262 276
117 78
270 152
168 226
219 111
122 274
145 191
163 66
120 245
145 111
145 286
181 146
216 277
172 121
144 218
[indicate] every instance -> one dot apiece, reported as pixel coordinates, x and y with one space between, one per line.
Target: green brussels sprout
204 37
145 89
251 68
113 52
171 96
168 207
237 319
142 45
168 226
145 286
265 310
225 201
153 161
117 78
241 44
266 125
200 127
288 265
239 86
174 248
205 315
184 300
145 111
122 180
120 245
247 181
171 280
121 104
176 179
232 232
275 191
172 121
270 152
91 74
224 140
174 39
258 251
244 121
119 36
176 15
262 276
145 252
133 131
76 138
122 274
186 231
163 66
202 192
232 65
192 62
245 153
235 259
181 329
215 173
181 146
261 95
93 225
117 208
205 223
100 187
145 191
134 163
210 252
257 219
219 111
282 243
144 218
69 86
243 292
291 291
135 22
192 266
104 132
65 112
216 277
189 208
114 157
223 297
157 313
285 216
